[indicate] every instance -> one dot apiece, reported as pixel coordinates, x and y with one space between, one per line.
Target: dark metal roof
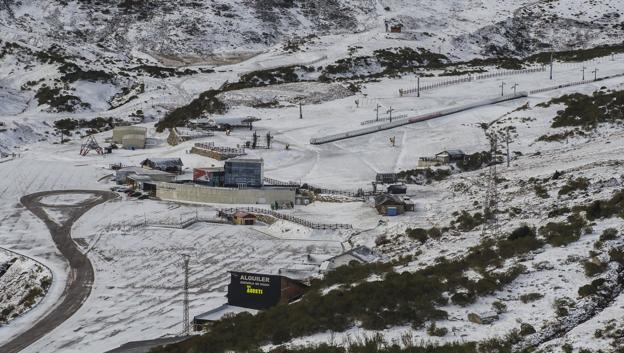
163 162
388 199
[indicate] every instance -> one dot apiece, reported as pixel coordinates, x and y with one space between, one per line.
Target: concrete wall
202 194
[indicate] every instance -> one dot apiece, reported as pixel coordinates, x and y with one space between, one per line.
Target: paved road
79 280
145 346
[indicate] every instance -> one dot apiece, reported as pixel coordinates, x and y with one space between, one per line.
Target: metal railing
228 212
469 78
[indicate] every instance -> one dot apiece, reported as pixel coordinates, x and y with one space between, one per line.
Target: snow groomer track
416 119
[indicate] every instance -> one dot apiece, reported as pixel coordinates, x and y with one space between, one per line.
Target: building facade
244 172
205 194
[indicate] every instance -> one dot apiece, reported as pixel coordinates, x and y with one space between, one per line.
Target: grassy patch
164 72
561 136
577 55
60 102
586 111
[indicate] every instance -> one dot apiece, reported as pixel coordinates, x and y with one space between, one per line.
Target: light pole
595 72
551 65
390 112
514 88
584 72
377 109
418 86
502 88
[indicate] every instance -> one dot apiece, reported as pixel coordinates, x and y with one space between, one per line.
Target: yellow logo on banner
252 290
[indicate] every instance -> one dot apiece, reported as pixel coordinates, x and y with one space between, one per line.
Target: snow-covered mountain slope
218 31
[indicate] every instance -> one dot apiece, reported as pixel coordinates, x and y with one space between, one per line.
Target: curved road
81 277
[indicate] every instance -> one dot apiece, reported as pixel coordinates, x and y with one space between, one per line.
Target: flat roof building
244 172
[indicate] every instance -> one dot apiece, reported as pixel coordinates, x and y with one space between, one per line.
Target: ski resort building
392 205
206 319
123 175
360 254
130 137
244 218
244 172
450 156
212 176
206 194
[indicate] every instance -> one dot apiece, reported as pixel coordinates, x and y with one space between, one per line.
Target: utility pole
595 72
514 88
551 65
300 111
377 109
187 322
490 207
507 141
502 88
583 69
390 112
418 86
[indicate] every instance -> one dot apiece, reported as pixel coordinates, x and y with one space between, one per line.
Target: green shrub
463 299
46 282
419 234
526 329
608 234
562 306
573 185
577 55
29 299
207 102
592 288
427 174
434 233
558 212
499 307
475 161
521 240
617 255
558 137
58 101
433 330
592 268
541 191
589 111
563 233
530 297
600 209
467 222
